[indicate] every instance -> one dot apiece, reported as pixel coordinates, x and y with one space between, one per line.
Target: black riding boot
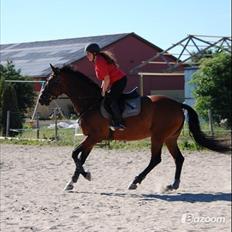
117 122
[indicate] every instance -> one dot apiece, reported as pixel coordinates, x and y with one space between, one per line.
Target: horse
161 118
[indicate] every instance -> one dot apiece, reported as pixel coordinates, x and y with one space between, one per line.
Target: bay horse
161 119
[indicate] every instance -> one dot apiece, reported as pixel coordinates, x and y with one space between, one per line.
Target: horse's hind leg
155 159
179 160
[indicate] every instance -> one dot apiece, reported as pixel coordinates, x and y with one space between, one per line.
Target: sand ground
32 196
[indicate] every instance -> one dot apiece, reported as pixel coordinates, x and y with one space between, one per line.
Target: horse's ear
53 68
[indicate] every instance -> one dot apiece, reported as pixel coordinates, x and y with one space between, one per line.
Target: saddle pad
132 108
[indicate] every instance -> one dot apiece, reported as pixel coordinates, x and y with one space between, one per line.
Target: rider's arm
105 84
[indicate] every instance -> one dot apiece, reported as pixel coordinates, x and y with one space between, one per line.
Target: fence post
210 122
7 123
141 85
56 128
37 125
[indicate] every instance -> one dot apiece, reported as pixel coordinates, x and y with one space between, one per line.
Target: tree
213 87
9 103
24 91
196 57
2 84
21 94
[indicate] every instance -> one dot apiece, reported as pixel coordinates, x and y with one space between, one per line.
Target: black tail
200 138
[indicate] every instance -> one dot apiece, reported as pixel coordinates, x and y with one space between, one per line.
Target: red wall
37 85
130 52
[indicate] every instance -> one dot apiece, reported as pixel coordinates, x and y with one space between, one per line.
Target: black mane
77 74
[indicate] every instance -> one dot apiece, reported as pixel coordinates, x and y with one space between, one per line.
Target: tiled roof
33 58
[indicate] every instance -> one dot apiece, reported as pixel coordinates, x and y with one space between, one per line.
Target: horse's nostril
44 99
41 101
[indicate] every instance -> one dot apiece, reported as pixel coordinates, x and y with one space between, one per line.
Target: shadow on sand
189 197
170 197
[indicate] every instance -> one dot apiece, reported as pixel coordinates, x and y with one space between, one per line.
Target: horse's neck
83 103
82 97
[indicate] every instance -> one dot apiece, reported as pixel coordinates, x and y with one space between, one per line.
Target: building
130 50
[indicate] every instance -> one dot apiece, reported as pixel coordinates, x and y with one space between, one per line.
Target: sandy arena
32 196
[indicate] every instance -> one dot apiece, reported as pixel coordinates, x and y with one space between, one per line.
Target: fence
63 132
40 129
68 130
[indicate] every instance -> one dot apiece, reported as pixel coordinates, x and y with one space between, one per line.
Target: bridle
55 78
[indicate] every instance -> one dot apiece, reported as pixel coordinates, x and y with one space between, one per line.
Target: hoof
169 188
69 186
88 176
173 186
132 186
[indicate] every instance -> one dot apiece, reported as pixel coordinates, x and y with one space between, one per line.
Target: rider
113 79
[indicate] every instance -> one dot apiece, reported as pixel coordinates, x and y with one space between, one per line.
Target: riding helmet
92 47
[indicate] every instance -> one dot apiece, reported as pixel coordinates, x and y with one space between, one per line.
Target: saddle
129 104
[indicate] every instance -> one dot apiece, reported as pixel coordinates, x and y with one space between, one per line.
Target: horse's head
53 87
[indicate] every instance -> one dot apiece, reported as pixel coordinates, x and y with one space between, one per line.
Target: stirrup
112 128
119 126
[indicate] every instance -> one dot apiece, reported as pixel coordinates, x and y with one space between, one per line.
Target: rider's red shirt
102 68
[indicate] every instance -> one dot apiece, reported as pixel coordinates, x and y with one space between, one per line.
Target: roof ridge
73 38
59 52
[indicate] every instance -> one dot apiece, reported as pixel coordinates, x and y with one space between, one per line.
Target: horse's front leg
79 161
84 148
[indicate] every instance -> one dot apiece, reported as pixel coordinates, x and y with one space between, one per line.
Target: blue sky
162 22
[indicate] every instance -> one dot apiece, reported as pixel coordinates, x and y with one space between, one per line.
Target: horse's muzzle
45 99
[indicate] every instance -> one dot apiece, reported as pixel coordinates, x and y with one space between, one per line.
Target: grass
65 137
